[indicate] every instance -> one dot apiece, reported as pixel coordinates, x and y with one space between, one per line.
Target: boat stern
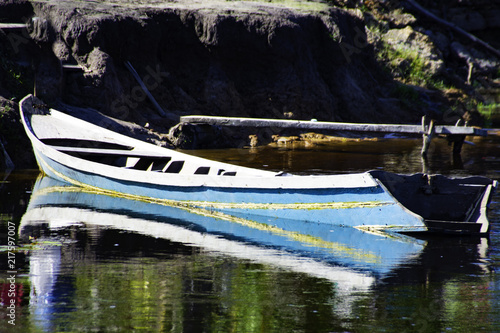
477 224
447 205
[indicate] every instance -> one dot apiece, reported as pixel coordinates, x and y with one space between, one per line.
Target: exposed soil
287 59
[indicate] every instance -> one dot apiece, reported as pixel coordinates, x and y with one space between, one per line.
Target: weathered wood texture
13 25
333 126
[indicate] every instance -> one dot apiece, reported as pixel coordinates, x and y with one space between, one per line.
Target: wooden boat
87 155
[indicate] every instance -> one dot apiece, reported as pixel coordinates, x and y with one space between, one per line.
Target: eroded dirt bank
301 60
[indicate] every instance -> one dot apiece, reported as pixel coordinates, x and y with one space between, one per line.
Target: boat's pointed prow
32 105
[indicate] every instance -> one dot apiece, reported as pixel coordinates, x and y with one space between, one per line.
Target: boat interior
123 156
90 142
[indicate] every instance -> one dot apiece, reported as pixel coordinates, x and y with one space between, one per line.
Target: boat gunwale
262 179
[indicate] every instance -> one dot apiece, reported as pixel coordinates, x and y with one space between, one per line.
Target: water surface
90 263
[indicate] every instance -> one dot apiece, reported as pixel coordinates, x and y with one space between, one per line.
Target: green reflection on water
143 284
182 293
469 299
114 281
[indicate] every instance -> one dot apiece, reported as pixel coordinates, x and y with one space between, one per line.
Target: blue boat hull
338 245
367 206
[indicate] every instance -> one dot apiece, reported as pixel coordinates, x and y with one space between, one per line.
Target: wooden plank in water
332 126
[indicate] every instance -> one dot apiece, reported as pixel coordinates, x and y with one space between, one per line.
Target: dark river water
84 262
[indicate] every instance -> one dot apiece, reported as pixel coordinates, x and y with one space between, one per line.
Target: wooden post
458 142
456 139
425 164
427 136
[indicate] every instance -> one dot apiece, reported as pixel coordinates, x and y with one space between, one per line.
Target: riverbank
150 62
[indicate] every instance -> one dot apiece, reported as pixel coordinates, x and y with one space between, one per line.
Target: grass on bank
16 79
490 112
408 66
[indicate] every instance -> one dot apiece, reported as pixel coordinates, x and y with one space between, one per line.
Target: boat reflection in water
353 259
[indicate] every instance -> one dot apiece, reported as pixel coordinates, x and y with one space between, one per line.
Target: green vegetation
407 94
410 68
15 78
408 65
6 109
490 112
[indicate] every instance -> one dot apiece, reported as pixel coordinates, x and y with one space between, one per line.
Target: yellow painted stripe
295 206
230 205
308 240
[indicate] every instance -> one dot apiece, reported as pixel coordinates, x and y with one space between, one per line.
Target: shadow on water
90 262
